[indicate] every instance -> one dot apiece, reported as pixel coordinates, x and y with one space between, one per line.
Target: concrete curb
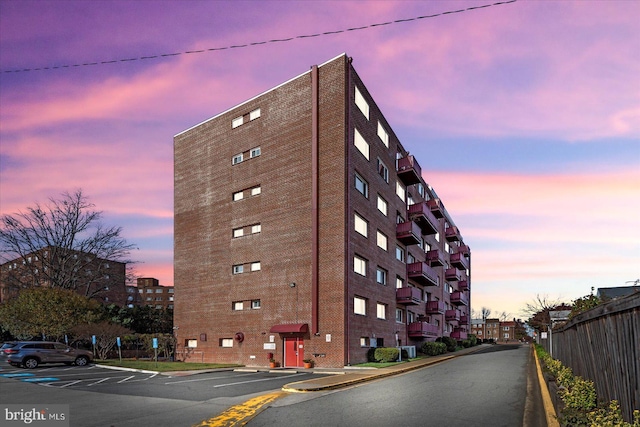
549 409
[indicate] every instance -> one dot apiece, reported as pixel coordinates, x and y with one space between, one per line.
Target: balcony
452 315
452 234
459 261
464 285
422 330
408 233
421 214
409 170
435 258
459 334
464 320
421 273
435 307
408 295
452 274
435 205
459 298
464 250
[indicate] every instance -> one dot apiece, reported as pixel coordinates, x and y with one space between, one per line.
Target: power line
288 39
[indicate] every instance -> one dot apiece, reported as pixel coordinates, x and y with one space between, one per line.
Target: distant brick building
101 279
149 292
304 229
500 331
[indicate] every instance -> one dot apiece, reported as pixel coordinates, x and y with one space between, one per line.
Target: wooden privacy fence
603 345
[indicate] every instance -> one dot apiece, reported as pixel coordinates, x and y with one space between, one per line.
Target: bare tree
538 311
486 312
503 316
62 245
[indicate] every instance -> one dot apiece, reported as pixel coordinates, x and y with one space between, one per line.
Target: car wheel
30 363
82 361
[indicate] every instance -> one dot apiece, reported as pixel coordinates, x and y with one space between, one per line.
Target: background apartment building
149 292
305 230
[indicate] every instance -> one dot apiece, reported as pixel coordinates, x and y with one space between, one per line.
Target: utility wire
305 36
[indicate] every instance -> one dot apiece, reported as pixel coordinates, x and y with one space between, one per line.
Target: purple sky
525 117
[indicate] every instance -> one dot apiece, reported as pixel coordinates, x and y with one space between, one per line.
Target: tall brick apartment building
305 230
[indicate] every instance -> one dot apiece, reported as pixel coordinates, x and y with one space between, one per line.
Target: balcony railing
421 214
459 298
408 233
464 285
459 334
422 330
459 261
465 250
435 307
422 273
435 258
409 170
452 234
464 319
452 315
408 295
436 208
452 274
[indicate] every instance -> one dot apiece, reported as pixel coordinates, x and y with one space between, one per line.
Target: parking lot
197 387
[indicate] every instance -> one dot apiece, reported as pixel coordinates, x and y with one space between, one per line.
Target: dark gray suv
32 353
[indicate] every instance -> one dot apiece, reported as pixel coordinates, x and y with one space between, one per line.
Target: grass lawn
383 364
162 366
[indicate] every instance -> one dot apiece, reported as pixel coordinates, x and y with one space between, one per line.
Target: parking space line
70 384
254 381
126 379
99 381
209 379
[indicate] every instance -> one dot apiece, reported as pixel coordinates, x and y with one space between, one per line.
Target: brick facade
267 238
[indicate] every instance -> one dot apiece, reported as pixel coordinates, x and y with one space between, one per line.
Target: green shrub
611 417
473 339
434 348
466 343
451 343
386 354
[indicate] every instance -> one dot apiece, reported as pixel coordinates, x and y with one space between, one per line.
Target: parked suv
32 353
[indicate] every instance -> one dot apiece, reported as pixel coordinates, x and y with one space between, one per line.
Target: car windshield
8 345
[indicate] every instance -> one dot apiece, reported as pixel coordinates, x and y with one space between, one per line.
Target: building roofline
257 96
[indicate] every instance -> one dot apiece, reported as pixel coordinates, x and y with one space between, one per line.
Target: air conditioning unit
410 349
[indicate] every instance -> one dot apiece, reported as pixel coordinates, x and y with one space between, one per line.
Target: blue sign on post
155 343
93 339
118 341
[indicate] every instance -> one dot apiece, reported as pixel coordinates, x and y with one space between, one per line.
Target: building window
381 276
238 232
159 291
149 291
255 266
399 253
381 240
236 159
256 190
238 306
360 225
360 306
381 311
226 342
191 343
364 341
238 195
360 265
411 317
256 228
255 304
399 282
362 103
237 122
362 186
383 206
399 315
255 152
383 170
506 336
361 144
383 135
254 114
238 269
401 190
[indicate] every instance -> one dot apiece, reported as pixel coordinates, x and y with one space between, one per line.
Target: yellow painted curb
239 415
549 410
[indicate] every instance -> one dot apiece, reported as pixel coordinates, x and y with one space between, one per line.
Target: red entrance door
293 352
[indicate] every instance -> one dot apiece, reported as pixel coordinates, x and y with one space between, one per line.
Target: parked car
30 354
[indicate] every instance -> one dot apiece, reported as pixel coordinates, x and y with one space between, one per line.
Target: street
487 388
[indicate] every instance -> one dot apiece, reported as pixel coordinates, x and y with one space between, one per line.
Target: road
487 388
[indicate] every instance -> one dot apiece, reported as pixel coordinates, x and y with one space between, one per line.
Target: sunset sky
525 117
